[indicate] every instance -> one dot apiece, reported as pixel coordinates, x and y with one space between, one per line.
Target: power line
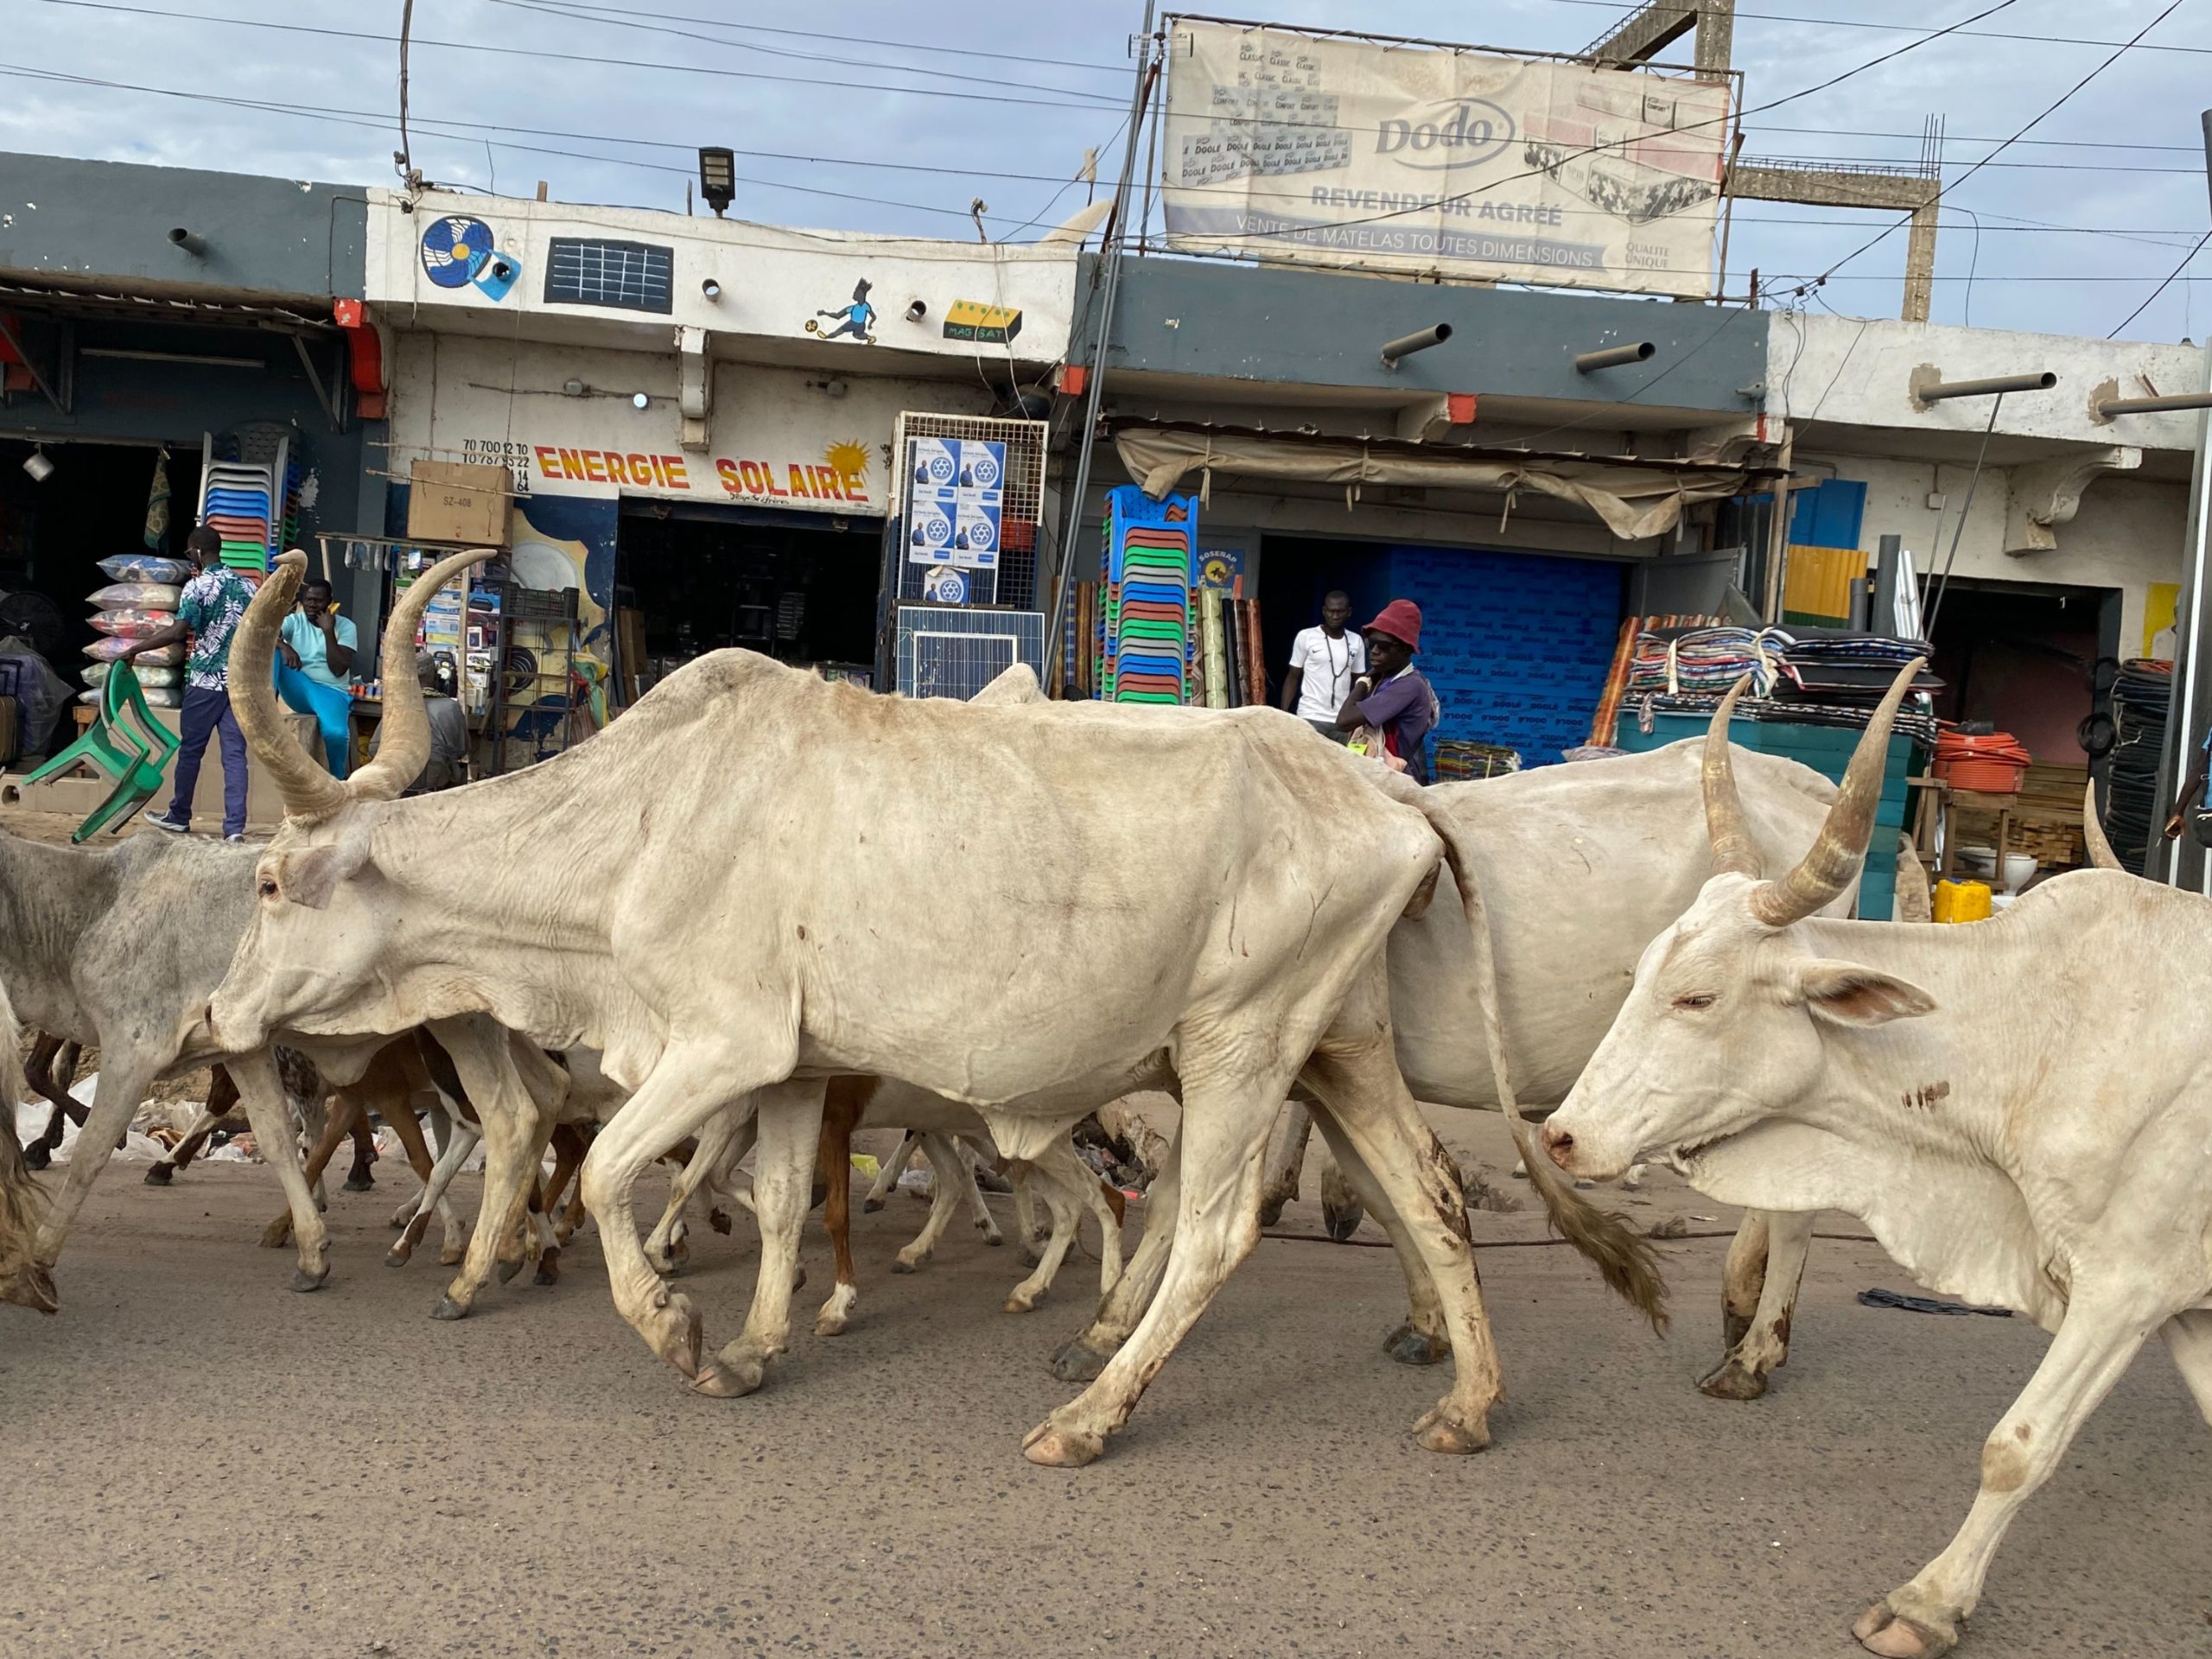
1592 150
1953 138
962 50
592 60
1909 29
2170 277
2048 109
630 21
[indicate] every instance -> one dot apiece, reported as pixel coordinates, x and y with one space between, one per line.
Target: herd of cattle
763 910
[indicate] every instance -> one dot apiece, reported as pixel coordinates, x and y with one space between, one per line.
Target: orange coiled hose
1991 765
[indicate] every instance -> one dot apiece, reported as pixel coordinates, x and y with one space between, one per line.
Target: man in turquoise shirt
315 649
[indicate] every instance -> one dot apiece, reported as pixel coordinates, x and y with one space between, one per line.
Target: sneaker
239 839
162 821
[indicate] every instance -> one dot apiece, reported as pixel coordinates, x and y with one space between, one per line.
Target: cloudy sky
872 115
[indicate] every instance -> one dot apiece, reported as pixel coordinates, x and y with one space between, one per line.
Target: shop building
1527 504
701 426
151 314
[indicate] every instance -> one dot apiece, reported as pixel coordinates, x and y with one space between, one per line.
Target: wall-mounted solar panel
624 275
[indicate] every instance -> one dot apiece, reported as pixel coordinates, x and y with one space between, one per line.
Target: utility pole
2181 862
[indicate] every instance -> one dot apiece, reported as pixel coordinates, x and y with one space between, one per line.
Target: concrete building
149 309
703 421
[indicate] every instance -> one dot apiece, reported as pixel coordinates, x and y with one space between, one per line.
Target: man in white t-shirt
1324 662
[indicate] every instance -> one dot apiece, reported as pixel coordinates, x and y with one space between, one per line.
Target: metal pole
2183 861
1935 392
1614 357
1109 254
1405 344
2112 406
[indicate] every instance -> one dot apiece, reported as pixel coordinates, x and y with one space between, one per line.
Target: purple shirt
1404 707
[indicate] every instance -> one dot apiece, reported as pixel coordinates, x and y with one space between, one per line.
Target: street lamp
717 177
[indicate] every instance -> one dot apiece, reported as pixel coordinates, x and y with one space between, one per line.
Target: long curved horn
404 744
309 792
2101 856
1733 852
1836 858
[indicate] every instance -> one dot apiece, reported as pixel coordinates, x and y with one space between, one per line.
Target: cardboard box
449 501
77 792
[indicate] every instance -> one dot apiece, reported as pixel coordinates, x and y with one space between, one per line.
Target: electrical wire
592 60
2048 109
1860 23
1836 79
2171 276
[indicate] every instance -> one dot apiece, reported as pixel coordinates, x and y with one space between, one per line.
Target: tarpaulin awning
1634 501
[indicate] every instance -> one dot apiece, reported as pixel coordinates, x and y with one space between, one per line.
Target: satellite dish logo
455 249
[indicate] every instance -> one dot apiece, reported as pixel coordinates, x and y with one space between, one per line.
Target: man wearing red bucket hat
1392 696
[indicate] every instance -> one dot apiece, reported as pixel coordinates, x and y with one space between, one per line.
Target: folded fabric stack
1460 759
1814 677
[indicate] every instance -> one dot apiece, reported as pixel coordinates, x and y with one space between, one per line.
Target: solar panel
625 276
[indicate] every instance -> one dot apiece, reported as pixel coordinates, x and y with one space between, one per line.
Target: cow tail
1622 1255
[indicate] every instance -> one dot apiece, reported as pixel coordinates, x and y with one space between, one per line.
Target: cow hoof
1439 1432
730 1380
549 1268
1050 1447
1023 1305
278 1233
1271 1209
1731 1380
451 1254
38 1155
869 1206
1895 1636
1077 1362
448 1309
1031 1256
508 1269
30 1285
395 1257
359 1183
992 1236
904 1264
1341 1223
156 1174
718 1220
303 1281
1410 1345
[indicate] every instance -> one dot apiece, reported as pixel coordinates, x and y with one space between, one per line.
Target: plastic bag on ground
145 567
106 651
145 595
96 673
41 693
131 623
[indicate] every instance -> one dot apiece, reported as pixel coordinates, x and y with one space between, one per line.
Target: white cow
2021 1112
755 880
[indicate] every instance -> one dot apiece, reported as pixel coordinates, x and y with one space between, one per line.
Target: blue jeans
330 707
205 713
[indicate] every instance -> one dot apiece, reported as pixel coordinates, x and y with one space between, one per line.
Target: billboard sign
1461 164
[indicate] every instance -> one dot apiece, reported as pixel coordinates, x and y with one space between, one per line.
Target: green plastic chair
136 752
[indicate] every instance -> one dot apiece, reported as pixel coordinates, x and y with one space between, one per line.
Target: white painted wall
2127 534
773 281
1855 372
776 438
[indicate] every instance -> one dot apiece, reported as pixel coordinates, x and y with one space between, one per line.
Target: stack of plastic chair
128 742
250 502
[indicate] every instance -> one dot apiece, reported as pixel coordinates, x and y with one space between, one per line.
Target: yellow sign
2160 605
988 325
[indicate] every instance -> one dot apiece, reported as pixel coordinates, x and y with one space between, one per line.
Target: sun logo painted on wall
849 461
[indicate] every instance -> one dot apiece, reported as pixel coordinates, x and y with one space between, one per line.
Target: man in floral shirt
214 602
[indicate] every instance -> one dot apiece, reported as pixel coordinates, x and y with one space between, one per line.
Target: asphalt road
199 1463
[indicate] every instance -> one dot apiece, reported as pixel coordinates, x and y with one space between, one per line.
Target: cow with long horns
2016 1126
755 880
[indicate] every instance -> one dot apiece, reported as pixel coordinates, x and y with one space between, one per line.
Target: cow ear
308 875
1849 995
